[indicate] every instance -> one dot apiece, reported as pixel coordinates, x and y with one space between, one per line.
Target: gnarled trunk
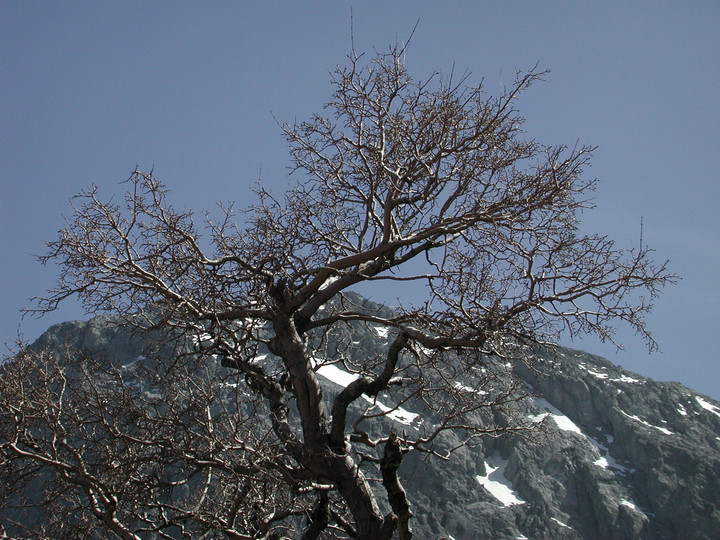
317 455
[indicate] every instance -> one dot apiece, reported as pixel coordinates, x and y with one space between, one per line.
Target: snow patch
565 525
464 388
625 378
382 331
629 504
602 462
648 424
605 460
596 374
427 353
601 375
562 421
398 414
497 484
708 406
634 506
334 374
343 378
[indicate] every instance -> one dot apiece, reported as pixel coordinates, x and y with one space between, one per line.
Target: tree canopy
426 181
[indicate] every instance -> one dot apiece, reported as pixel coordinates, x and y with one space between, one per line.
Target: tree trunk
318 457
397 496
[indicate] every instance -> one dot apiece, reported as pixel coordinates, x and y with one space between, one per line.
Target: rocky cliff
622 456
615 455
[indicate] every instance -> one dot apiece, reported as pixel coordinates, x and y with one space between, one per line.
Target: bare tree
134 450
430 182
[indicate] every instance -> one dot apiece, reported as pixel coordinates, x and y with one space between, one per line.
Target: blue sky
91 89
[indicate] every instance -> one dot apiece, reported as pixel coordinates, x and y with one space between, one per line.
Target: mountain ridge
617 455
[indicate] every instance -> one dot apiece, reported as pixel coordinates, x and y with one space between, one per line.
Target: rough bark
392 458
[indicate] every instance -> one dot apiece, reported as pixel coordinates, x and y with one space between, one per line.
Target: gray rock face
623 457
646 461
617 455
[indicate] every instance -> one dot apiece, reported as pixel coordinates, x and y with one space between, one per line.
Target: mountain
623 457
616 455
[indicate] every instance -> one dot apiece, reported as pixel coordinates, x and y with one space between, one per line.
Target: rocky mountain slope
623 457
616 456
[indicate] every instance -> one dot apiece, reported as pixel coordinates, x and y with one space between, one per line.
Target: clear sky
89 90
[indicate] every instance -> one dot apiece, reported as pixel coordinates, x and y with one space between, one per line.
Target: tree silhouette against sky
430 182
